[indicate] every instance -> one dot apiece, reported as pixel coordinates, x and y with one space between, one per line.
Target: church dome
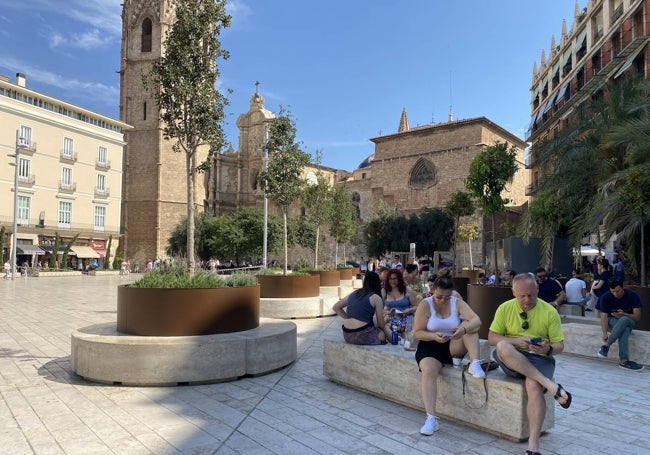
367 162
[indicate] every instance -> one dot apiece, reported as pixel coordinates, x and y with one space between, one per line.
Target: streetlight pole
265 161
14 234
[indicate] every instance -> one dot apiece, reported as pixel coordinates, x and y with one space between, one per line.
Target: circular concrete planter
346 274
328 277
187 312
289 286
485 300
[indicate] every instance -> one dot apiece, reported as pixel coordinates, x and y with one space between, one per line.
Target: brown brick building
421 167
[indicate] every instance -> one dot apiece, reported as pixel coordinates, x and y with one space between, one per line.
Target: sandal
558 396
530 452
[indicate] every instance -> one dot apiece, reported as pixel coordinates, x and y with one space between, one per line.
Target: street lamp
265 163
20 144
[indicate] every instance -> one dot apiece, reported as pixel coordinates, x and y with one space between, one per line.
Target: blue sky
343 68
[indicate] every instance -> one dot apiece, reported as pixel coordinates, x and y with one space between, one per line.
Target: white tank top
445 326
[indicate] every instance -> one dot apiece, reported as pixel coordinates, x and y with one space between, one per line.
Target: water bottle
394 337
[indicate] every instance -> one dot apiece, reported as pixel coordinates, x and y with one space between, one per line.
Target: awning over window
560 93
100 251
50 248
84 252
29 249
549 103
628 62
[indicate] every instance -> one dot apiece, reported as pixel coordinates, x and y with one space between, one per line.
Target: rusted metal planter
460 284
187 312
289 286
328 277
485 300
346 274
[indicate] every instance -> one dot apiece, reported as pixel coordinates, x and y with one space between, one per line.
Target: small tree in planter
283 180
343 220
317 199
107 258
184 85
460 204
489 173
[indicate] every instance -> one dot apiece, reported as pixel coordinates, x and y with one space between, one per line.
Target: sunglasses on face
524 325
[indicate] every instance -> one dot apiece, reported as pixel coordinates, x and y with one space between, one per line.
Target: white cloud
98 92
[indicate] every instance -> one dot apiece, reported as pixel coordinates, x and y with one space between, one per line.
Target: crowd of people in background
526 332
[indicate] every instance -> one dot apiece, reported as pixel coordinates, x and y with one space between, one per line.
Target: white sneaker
430 425
475 369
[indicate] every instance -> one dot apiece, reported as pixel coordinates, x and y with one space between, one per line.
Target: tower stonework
154 177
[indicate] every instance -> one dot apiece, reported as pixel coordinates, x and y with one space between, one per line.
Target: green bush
179 278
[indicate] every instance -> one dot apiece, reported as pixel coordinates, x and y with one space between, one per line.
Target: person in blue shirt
620 309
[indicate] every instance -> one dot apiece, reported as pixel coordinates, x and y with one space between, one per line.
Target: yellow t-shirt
543 321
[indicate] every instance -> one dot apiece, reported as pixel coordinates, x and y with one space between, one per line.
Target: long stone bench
391 373
586 339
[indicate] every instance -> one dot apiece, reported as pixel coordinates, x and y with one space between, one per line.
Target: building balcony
26 180
27 148
67 187
68 157
102 165
102 192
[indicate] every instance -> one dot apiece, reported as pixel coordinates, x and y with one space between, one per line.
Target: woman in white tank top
446 327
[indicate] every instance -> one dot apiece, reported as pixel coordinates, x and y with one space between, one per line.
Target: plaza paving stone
46 409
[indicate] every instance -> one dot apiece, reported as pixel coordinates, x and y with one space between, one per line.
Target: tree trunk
642 254
284 238
471 259
316 247
336 253
456 261
189 161
494 247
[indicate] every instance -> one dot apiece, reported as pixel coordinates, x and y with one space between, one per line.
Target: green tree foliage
593 164
317 199
66 251
489 173
233 236
55 251
431 231
283 180
378 232
184 85
107 258
343 224
460 204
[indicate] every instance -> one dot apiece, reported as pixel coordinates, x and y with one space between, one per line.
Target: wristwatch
550 349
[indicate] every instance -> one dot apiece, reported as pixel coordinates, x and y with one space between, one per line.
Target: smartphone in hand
536 341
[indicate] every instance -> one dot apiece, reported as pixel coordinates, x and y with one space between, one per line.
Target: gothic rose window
423 174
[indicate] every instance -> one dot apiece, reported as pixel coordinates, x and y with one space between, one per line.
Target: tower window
144 111
145 45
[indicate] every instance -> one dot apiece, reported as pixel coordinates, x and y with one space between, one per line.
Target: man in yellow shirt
527 331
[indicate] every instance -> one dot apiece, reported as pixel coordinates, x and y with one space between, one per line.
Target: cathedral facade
411 169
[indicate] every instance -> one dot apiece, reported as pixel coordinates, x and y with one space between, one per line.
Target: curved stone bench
297 308
585 340
102 354
398 380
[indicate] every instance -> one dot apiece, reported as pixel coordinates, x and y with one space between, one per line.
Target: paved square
46 409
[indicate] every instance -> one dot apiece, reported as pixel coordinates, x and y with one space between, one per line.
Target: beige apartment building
69 175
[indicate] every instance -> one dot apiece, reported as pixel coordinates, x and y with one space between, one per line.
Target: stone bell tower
154 179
